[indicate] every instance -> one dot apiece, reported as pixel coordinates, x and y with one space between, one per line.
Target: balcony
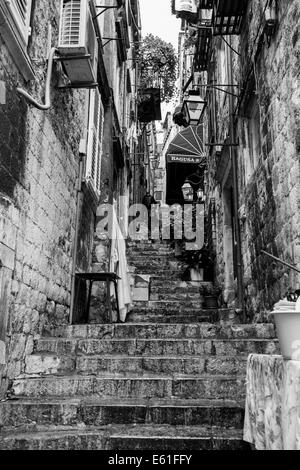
205 4
203 49
228 16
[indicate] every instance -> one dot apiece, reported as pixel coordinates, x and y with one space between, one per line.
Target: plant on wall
158 66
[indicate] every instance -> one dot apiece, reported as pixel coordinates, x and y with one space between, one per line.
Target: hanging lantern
188 192
193 108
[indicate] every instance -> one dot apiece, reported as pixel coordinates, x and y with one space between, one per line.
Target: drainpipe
234 163
75 244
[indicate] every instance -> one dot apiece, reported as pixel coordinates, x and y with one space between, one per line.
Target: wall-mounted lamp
188 192
200 196
193 107
270 19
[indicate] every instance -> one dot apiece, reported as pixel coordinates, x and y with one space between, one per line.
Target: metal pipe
280 261
30 99
77 223
234 163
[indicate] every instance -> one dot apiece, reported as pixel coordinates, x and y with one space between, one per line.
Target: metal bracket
79 85
111 39
105 8
218 144
71 57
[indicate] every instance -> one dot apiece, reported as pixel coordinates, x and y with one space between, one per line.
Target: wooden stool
100 277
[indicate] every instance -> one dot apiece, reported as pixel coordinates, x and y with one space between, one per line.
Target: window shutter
93 167
21 11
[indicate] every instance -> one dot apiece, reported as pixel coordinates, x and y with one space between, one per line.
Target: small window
252 147
94 141
21 12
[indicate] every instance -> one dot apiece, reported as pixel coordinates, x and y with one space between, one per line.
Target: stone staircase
171 378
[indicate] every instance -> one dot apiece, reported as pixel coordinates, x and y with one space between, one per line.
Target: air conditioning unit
78 45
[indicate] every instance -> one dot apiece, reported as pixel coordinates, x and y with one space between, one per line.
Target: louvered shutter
70 23
93 167
21 11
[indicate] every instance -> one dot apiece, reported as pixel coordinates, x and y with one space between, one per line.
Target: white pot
288 330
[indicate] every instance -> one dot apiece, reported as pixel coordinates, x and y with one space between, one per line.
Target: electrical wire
236 52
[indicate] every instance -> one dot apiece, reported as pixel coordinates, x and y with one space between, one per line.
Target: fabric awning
187 146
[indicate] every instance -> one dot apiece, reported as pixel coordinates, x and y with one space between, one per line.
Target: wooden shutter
21 12
93 167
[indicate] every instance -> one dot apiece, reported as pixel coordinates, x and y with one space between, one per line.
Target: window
252 147
15 18
94 140
21 11
223 73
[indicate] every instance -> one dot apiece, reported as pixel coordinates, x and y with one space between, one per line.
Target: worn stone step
132 386
127 438
163 274
150 251
163 365
170 304
28 414
141 317
59 365
157 284
179 295
144 312
178 287
153 347
151 265
167 438
180 331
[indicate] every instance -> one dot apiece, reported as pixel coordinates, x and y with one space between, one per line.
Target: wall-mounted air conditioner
78 45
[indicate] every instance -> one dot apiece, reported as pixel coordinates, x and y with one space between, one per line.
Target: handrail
280 261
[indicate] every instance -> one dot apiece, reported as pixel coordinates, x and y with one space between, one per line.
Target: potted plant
210 295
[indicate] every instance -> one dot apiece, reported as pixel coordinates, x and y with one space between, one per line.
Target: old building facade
56 162
246 66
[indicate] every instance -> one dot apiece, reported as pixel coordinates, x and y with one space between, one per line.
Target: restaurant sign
185 159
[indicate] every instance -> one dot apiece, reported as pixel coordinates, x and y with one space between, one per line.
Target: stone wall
269 193
38 170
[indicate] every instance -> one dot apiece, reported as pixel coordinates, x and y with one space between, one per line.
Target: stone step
178 314
185 295
142 317
28 414
167 438
166 365
156 347
166 274
132 386
177 305
180 331
157 284
43 364
174 289
117 438
149 250
148 245
151 264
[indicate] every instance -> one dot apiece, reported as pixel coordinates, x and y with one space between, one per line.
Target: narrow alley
149 225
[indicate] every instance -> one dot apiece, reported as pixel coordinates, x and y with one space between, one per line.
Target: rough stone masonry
38 171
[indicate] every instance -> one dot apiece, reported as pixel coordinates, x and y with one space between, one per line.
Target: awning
188 147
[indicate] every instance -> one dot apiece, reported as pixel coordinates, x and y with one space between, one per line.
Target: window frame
94 139
23 25
15 40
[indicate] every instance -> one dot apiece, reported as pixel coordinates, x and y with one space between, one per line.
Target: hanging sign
184 159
